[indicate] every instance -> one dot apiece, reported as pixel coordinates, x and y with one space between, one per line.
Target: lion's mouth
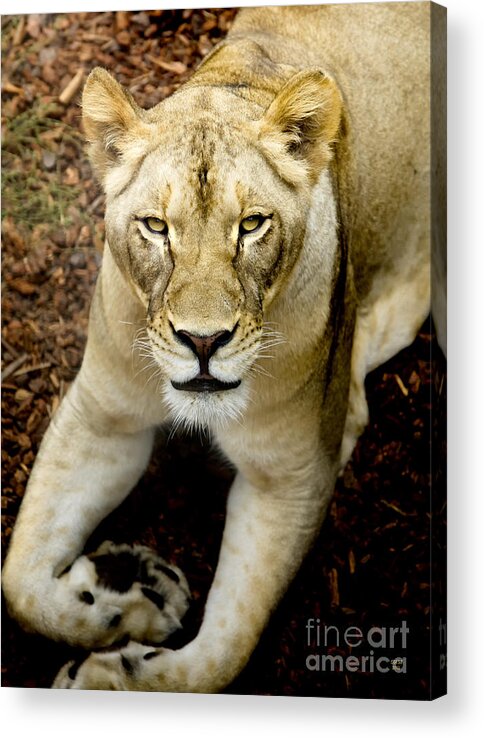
205 383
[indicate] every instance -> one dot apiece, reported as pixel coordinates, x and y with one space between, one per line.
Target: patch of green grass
30 194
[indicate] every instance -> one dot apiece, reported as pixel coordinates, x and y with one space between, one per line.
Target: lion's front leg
79 476
267 533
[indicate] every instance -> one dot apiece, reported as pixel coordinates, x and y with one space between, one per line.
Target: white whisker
257 370
261 355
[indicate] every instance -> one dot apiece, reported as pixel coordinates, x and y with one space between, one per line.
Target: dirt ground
371 564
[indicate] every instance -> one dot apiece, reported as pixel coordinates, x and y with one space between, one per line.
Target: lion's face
207 228
207 245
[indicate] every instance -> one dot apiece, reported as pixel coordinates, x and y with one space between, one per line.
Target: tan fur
305 115
317 119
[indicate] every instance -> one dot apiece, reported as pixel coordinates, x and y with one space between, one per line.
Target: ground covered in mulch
371 564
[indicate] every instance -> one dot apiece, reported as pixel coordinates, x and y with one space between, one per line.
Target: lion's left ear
300 125
112 122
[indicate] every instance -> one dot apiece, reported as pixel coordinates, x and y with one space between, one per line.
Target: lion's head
207 198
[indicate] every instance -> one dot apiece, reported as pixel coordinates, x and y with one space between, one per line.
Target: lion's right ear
301 124
112 121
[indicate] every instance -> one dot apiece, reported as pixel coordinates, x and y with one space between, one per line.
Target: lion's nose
204 346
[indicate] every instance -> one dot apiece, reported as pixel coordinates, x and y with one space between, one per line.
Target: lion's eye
156 225
251 224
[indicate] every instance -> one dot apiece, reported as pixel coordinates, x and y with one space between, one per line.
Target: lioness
268 243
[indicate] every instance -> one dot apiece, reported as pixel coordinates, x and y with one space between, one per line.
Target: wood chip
32 368
401 385
49 160
137 81
96 37
23 440
71 177
19 34
34 25
351 561
22 394
392 506
123 38
8 346
54 406
176 67
64 386
22 286
12 89
14 365
72 88
414 382
54 379
333 586
122 20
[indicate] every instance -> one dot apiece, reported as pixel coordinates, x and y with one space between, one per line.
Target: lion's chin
202 410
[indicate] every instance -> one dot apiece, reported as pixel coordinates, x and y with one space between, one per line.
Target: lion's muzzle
204 348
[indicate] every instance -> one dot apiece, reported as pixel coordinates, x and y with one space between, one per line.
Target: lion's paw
123 592
130 668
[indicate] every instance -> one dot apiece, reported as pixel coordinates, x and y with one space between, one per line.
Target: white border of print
41 712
